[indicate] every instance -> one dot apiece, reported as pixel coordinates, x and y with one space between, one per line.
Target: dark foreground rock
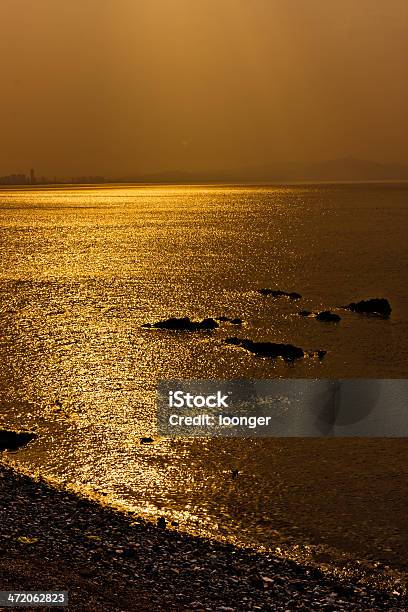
293 295
268 349
183 324
111 561
327 317
379 307
12 440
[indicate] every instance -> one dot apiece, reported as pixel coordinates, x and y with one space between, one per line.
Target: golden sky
130 86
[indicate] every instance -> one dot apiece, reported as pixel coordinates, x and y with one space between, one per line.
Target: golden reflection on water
82 269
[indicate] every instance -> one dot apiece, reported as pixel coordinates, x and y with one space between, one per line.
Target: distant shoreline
119 185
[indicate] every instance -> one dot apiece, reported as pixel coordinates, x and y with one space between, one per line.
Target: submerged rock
268 349
12 440
183 324
293 295
379 307
304 313
328 317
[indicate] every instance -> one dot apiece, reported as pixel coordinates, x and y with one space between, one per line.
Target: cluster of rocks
110 561
375 306
378 307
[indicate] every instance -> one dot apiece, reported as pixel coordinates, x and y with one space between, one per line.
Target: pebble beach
110 560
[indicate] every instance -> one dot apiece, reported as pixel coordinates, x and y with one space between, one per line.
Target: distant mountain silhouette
345 169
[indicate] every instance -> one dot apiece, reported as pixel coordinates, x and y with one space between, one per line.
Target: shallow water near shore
81 270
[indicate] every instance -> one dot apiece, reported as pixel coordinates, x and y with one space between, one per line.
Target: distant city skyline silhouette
345 169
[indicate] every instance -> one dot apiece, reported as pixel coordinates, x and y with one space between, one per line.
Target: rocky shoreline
110 560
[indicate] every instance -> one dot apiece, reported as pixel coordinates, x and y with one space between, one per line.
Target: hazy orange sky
120 87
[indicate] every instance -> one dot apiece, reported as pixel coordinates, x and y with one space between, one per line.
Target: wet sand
109 560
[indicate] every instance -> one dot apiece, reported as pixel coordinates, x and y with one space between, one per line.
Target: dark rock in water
328 317
206 324
295 296
279 293
375 306
235 321
325 316
268 349
146 440
265 291
233 340
320 354
234 473
173 323
12 440
183 324
161 522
